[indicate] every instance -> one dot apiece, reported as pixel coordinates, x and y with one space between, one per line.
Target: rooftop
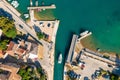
18 48
13 72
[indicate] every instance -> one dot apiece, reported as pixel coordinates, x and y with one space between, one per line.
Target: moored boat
60 58
84 33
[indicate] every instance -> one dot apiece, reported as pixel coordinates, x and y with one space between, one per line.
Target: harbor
87 21
79 62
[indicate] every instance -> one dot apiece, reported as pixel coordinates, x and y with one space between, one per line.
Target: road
18 20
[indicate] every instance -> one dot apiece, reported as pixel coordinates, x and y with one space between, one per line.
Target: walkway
43 7
99 58
72 47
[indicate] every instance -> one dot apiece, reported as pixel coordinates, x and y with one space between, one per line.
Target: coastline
86 42
53 49
80 49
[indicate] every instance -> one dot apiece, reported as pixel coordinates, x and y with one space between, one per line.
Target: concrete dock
42 7
82 37
72 47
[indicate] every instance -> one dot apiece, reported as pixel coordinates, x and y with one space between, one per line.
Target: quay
42 7
72 47
99 58
90 58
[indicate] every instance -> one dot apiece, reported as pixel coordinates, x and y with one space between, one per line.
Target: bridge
72 47
42 7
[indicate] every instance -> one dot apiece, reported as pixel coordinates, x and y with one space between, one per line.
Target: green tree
40 35
43 77
7 27
3 44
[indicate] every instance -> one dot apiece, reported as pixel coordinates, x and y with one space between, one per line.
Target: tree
40 35
3 44
43 77
7 27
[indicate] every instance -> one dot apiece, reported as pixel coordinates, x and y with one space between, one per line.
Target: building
33 54
8 72
19 49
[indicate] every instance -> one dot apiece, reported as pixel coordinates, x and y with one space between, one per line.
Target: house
19 49
8 72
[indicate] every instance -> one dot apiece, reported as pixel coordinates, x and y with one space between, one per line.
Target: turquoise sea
102 17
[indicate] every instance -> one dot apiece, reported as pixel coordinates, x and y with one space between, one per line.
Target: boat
9 0
15 4
84 33
26 15
60 58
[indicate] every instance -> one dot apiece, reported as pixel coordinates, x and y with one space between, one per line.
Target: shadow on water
67 47
82 30
116 70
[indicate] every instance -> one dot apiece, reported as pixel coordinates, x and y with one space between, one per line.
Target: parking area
91 65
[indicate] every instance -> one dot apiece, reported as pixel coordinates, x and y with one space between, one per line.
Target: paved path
46 61
100 58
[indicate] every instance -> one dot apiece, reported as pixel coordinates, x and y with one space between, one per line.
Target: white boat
84 33
26 15
60 58
15 4
9 0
